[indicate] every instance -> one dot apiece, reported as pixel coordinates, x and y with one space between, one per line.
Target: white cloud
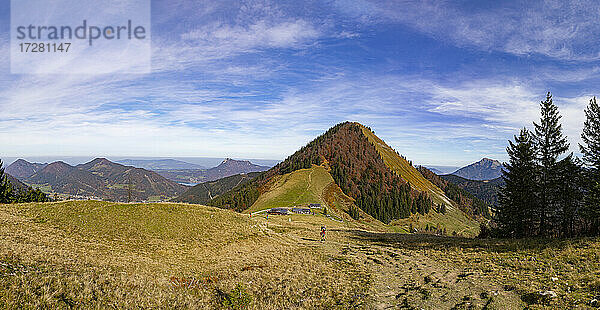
559 29
506 107
262 34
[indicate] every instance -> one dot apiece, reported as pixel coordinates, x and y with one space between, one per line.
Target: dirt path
208 190
408 279
307 185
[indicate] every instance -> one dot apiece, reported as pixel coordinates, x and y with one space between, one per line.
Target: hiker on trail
322 233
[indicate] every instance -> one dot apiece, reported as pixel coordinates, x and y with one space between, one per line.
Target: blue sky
444 83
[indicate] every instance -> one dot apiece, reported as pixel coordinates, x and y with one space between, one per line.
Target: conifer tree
516 214
591 157
550 144
6 190
570 195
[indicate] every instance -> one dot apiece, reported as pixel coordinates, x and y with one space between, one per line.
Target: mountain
159 164
204 192
232 167
22 169
349 167
484 190
485 169
227 167
104 179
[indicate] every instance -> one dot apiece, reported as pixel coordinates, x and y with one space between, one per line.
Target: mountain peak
226 160
22 169
356 161
101 160
59 163
485 169
241 165
21 161
234 162
57 167
488 160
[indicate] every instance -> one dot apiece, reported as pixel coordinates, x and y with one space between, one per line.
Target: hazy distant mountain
231 167
441 169
436 171
21 168
104 179
485 169
227 167
159 164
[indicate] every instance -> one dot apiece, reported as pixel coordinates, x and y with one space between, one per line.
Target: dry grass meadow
91 254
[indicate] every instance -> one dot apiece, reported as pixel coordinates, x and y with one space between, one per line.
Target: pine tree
516 214
6 189
570 198
550 144
591 157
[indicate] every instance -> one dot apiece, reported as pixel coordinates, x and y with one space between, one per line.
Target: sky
442 82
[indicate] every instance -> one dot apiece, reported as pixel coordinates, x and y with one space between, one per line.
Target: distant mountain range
98 178
159 164
485 169
439 170
227 167
436 171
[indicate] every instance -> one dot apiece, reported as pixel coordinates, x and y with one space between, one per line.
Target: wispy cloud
286 34
558 29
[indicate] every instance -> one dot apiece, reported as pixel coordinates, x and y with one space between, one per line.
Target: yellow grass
403 168
97 254
300 187
90 254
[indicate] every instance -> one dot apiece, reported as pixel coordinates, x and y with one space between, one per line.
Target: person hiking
322 233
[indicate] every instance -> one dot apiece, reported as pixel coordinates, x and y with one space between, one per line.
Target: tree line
9 193
550 192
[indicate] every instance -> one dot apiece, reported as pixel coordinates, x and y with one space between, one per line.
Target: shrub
237 299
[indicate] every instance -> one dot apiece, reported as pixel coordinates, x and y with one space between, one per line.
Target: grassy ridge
402 167
299 187
454 220
106 255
